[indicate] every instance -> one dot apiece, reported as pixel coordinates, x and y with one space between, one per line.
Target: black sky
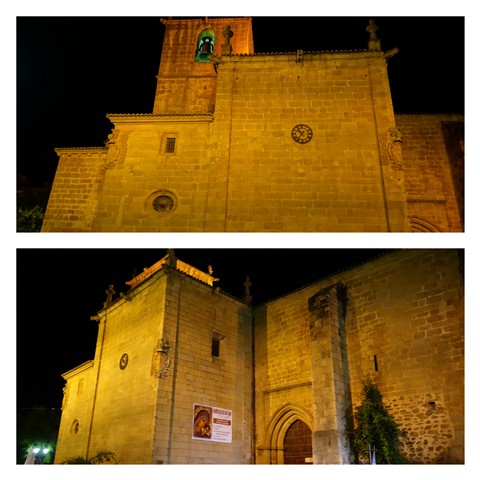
72 71
58 290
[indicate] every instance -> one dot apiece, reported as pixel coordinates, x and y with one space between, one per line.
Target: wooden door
298 444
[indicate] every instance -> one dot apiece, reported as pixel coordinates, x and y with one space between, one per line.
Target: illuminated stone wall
194 315
411 316
124 398
331 183
143 411
144 171
187 86
397 320
283 374
76 190
78 398
235 165
429 172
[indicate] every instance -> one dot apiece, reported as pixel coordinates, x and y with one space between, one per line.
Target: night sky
72 71
58 290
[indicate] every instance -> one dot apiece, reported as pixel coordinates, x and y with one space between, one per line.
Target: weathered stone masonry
217 153
297 360
397 320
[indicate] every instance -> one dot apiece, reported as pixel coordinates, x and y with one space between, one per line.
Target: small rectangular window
216 344
170 144
215 347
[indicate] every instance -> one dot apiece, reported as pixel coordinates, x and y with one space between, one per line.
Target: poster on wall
212 424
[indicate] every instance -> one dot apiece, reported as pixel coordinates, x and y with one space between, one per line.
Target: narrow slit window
375 363
216 344
215 347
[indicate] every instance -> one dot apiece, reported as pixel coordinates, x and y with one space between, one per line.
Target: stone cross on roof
247 284
227 47
374 42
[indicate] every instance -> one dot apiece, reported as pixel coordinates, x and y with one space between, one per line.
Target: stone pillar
330 387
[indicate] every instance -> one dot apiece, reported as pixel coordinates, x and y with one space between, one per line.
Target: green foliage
37 427
376 429
40 457
30 219
101 457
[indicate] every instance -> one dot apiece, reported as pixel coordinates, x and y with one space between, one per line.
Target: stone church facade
280 142
184 373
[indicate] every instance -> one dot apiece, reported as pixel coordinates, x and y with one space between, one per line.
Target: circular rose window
161 202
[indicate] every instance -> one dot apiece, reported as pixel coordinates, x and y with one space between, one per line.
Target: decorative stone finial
374 42
110 293
247 284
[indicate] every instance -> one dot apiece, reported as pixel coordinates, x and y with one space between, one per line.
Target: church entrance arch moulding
418 224
278 426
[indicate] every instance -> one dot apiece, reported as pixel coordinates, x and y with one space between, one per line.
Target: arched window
205 43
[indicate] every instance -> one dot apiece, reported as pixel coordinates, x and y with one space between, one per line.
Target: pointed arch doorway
289 436
298 444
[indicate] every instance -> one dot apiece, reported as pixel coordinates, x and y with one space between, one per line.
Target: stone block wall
143 412
237 168
121 399
332 183
195 314
143 170
78 397
76 190
405 330
185 85
429 179
403 327
123 417
283 376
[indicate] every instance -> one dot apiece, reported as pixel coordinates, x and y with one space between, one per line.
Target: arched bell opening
205 44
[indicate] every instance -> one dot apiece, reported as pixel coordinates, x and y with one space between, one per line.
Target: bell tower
187 78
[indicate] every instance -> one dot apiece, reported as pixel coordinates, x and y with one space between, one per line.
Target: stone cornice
312 55
82 151
75 371
305 52
135 118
